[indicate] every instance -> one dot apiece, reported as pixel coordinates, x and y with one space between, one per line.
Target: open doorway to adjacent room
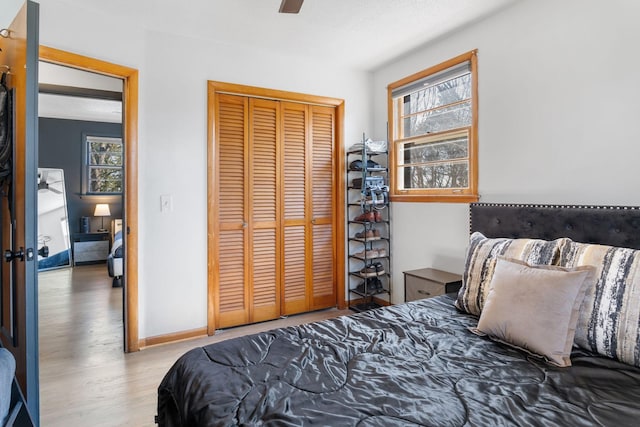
80 210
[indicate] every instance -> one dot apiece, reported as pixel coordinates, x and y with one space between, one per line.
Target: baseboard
173 337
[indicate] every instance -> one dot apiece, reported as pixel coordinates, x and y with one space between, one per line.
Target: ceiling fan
44 185
290 6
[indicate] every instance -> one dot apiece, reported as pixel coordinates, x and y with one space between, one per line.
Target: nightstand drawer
429 282
90 251
418 288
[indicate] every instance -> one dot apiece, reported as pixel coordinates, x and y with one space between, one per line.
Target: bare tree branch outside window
104 165
441 162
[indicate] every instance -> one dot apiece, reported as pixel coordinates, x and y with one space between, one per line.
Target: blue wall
60 146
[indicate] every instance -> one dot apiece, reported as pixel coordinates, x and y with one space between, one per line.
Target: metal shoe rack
368 225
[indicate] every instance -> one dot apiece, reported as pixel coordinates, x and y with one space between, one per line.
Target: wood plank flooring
85 378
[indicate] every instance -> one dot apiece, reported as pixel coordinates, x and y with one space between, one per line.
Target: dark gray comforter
409 364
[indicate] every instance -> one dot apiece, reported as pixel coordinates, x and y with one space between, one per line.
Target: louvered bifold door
295 189
231 293
323 282
264 263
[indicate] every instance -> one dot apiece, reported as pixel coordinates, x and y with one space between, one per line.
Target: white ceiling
77 108
362 34
359 33
74 107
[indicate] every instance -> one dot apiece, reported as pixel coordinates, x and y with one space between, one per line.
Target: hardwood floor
85 378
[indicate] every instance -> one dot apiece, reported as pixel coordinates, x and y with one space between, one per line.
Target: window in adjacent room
433 118
103 165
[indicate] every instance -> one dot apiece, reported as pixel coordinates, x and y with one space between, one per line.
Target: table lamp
102 210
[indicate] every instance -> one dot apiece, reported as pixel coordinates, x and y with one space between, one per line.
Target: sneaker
370 286
375 269
381 253
377 216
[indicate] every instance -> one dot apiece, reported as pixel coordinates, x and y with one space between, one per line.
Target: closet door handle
244 225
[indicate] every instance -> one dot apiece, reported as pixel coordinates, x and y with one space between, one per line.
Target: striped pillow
481 261
609 321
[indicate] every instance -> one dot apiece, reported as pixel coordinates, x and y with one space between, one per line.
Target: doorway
129 78
80 176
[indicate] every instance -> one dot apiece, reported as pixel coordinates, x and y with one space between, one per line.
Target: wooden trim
442 198
173 337
130 133
212 197
280 95
340 214
436 195
432 70
214 88
473 138
308 205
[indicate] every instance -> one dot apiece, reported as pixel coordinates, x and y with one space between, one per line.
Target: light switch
166 203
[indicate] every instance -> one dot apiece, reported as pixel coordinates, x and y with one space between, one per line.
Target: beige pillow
481 260
535 308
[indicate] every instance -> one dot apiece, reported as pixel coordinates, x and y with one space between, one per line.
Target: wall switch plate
166 203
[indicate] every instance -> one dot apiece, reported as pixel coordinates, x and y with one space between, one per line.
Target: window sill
439 198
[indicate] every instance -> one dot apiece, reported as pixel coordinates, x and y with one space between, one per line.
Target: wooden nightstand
429 282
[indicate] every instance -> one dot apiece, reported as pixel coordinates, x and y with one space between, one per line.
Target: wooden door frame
339 183
130 132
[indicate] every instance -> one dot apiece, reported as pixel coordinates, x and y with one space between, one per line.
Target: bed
115 265
428 362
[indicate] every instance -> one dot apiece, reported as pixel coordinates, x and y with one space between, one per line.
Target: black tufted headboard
605 225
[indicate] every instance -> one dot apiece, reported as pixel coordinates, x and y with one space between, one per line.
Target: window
433 118
103 167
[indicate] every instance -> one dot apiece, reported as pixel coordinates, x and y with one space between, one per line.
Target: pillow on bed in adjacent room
609 321
535 308
481 259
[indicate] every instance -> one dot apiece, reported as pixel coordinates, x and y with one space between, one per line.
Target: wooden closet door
295 188
264 225
247 288
309 251
231 291
322 201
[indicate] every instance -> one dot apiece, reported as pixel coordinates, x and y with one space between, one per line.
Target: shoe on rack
356 165
375 269
366 234
381 253
370 286
375 200
376 284
377 216
373 165
366 217
372 234
368 254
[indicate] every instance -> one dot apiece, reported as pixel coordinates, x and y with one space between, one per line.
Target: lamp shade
102 209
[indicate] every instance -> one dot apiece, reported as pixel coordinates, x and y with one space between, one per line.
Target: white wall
8 11
558 114
173 141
